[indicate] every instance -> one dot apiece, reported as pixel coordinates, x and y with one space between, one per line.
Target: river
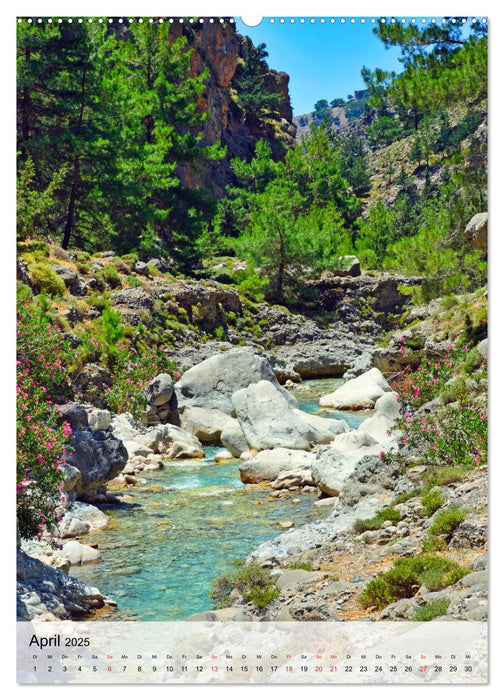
193 519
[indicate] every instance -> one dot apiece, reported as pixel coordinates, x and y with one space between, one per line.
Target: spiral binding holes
230 20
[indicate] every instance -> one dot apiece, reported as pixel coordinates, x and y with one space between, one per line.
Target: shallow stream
174 535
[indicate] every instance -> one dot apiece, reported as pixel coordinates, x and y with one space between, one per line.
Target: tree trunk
76 174
25 109
71 204
281 268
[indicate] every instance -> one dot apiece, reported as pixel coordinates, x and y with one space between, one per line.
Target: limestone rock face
218 48
45 593
206 304
361 392
476 232
99 457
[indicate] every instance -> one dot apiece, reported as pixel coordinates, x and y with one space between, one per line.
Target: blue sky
323 61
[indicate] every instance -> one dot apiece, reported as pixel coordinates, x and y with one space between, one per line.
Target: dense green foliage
429 611
107 121
251 581
103 127
289 216
406 576
249 83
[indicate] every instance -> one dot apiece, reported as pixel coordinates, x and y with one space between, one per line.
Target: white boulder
359 393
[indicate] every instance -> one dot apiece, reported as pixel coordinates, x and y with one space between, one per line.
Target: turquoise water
173 536
162 550
310 391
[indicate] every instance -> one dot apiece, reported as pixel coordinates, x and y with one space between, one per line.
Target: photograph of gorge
252 311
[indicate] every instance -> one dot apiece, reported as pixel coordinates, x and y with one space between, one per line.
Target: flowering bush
424 384
450 435
42 355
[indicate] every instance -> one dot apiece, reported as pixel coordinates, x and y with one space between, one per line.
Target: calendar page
252 353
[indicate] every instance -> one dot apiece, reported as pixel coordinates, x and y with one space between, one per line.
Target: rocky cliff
220 49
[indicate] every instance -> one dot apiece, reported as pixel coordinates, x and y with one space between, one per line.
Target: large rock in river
269 464
361 392
204 392
267 419
233 438
322 430
211 383
206 424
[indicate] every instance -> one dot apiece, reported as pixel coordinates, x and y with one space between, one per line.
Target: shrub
441 476
98 303
251 581
403 497
406 576
220 333
112 327
33 247
43 356
133 281
388 513
130 258
305 565
252 285
111 276
46 280
428 612
431 502
450 436
447 520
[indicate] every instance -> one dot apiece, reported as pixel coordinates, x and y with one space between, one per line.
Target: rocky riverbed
150 503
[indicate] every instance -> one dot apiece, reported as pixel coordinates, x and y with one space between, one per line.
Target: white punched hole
252 21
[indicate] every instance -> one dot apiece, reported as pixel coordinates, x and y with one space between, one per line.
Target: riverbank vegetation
125 256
